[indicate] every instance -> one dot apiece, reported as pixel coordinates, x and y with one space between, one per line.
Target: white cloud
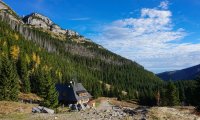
164 4
151 40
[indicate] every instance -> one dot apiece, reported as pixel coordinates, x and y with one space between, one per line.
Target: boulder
41 109
47 110
36 110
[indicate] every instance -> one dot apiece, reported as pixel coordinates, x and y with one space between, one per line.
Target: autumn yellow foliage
34 57
59 74
36 60
16 37
15 50
46 68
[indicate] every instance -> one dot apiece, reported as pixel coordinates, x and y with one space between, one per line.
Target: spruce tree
172 95
96 90
48 91
182 94
23 74
9 82
163 97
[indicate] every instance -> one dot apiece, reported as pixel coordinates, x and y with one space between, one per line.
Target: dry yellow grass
123 103
172 113
29 96
8 107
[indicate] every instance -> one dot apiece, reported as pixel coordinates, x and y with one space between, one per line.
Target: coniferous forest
35 66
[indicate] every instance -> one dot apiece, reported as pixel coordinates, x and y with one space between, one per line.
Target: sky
161 35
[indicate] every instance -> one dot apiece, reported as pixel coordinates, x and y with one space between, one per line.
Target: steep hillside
184 74
42 45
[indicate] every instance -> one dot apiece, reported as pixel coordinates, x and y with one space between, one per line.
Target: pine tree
182 94
23 74
163 97
96 90
172 95
47 90
9 82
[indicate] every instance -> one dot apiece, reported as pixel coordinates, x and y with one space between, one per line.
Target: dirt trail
104 105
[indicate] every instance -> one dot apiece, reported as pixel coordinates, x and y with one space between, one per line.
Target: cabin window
82 94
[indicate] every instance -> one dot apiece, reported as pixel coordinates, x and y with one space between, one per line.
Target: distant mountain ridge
184 74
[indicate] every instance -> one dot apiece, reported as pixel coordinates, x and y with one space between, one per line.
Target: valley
46 67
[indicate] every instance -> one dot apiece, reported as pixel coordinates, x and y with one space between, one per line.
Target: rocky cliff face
3 6
4 9
39 21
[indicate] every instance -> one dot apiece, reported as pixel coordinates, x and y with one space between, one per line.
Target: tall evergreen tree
23 74
9 81
182 94
48 91
172 95
163 97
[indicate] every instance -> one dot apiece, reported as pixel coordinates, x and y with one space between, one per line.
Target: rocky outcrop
3 6
71 33
4 9
56 29
26 31
39 21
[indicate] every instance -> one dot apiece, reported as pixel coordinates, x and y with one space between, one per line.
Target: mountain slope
66 54
184 74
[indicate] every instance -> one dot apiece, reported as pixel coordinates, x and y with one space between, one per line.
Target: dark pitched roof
65 89
72 92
